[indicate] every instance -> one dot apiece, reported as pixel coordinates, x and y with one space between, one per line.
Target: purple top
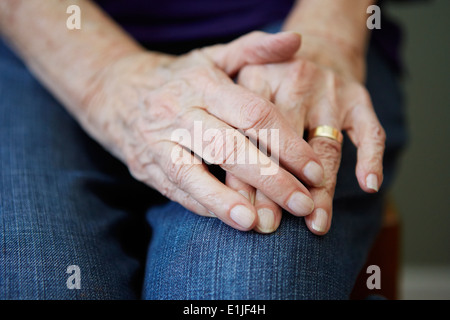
173 22
177 20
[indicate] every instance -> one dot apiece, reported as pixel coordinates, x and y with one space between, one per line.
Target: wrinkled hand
316 88
138 106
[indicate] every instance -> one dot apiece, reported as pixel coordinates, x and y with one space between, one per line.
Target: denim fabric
65 201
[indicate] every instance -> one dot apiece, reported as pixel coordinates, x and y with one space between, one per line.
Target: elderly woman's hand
321 85
138 106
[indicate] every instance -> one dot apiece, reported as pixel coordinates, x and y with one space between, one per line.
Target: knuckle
377 135
164 103
273 183
380 134
293 149
179 173
327 149
302 68
163 108
255 113
167 190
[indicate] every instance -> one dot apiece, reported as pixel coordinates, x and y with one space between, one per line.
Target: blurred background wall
422 187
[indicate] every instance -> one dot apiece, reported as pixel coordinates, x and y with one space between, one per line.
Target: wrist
334 33
334 52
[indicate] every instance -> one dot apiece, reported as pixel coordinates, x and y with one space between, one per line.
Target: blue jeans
65 201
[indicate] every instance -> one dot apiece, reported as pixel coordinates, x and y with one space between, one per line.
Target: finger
325 112
250 78
293 101
171 191
184 171
225 146
254 48
243 188
263 123
369 137
269 213
329 151
289 99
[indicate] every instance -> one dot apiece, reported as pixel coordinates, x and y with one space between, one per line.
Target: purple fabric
389 39
175 21
152 21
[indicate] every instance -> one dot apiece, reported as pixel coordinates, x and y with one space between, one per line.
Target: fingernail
320 221
242 216
314 173
266 220
372 182
300 204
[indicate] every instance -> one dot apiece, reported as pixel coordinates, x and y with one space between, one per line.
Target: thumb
254 48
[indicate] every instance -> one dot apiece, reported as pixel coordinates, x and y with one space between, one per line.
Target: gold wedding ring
327 132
